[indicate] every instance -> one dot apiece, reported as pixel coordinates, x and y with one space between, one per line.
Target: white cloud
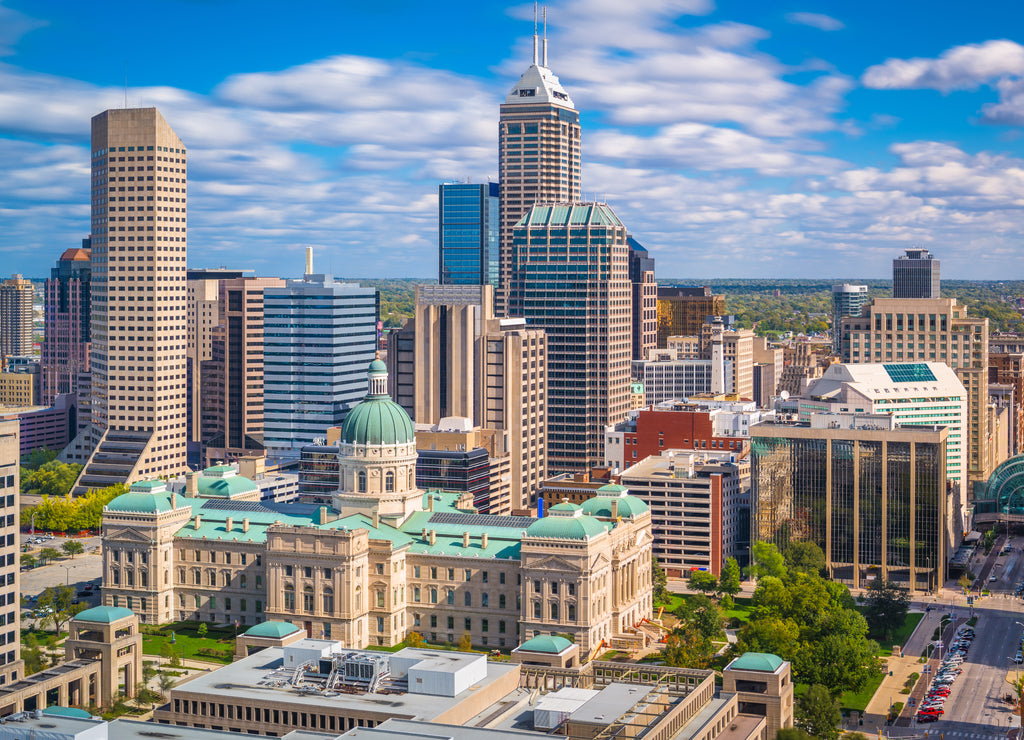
960 68
816 20
14 25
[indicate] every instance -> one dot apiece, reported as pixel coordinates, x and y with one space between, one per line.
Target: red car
922 718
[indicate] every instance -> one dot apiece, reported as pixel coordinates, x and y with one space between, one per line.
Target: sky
736 139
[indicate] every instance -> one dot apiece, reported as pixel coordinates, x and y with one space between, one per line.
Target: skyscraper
570 277
645 299
538 153
15 317
11 667
682 311
138 301
65 350
847 300
467 234
319 336
915 275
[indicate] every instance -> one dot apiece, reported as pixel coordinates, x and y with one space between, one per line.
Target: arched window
361 481
412 479
389 481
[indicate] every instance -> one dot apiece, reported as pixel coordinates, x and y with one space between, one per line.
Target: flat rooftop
400 728
261 677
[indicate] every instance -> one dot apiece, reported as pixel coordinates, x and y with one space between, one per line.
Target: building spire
544 58
535 33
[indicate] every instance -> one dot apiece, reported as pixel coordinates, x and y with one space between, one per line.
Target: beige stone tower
538 154
11 667
15 317
139 222
110 635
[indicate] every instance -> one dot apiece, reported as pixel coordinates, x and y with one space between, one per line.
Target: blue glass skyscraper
468 234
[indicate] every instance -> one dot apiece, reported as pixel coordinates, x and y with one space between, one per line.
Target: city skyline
736 140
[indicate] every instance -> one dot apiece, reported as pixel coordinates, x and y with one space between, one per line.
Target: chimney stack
191 484
615 509
465 539
483 541
228 524
322 515
309 260
245 524
433 536
430 502
376 518
174 502
198 521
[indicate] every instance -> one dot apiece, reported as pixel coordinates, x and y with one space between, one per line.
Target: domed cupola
377 420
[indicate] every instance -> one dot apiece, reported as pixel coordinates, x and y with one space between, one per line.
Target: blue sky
735 139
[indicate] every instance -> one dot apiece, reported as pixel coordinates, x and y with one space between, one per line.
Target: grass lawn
855 701
741 611
44 638
673 602
188 643
899 636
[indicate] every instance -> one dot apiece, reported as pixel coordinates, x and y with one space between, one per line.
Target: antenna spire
534 33
545 57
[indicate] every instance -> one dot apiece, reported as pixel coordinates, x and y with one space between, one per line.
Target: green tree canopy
72 548
686 647
817 713
767 561
702 580
703 613
729 581
51 479
71 514
804 556
60 599
885 607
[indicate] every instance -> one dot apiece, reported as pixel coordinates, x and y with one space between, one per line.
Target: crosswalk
962 735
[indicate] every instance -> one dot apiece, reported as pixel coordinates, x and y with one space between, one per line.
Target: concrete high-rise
138 302
570 277
682 311
915 275
538 153
467 234
319 336
11 667
645 300
898 330
15 317
847 300
65 350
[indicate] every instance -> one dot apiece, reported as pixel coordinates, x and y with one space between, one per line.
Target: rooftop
570 214
105 614
756 662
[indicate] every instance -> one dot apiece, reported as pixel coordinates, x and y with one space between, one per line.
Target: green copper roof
148 486
613 488
219 469
545 644
564 506
577 214
566 528
378 368
601 506
377 420
273 629
225 487
104 614
56 711
757 662
140 503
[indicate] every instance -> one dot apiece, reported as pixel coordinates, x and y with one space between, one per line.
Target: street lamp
67 573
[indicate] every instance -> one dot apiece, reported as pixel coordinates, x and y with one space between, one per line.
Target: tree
770 635
817 713
51 479
38 457
685 647
166 683
729 581
964 583
804 557
47 554
659 580
72 548
203 630
465 642
702 580
32 654
885 607
27 561
414 639
767 561
703 614
60 600
792 733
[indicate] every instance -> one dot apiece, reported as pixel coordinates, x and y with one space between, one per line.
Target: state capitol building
385 559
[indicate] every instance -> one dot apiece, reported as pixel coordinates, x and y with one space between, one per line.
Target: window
483 625
501 578
289 598
380 569
483 576
433 596
433 620
501 601
307 599
451 623
259 607
416 593
380 598
416 571
450 596
468 598
571 612
451 574
554 611
380 624
288 571
469 624
361 481
433 573
536 610
536 587
484 600
389 481
469 574
501 626
328 599
554 587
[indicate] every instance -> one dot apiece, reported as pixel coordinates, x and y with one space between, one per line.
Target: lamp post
67 573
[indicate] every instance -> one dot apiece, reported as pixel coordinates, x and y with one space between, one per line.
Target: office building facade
467 233
847 300
682 311
915 275
318 337
16 336
138 301
570 277
645 299
538 154
870 494
65 348
11 667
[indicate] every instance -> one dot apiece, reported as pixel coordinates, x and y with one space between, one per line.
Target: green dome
564 506
601 506
566 528
225 487
378 368
545 644
140 503
104 614
757 662
273 628
377 420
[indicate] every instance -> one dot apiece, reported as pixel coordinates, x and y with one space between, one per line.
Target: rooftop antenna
534 33
545 57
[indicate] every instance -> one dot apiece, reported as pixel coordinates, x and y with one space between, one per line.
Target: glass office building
468 234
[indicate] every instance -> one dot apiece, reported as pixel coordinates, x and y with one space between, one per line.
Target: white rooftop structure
538 83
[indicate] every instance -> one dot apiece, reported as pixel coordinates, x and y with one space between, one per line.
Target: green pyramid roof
273 628
104 614
545 644
56 711
757 662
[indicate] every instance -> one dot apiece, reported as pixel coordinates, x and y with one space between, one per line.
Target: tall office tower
896 330
768 366
467 234
682 311
1008 369
738 351
319 336
65 350
847 300
868 492
570 277
915 275
15 317
232 381
645 299
201 315
11 667
538 154
491 371
401 364
137 356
